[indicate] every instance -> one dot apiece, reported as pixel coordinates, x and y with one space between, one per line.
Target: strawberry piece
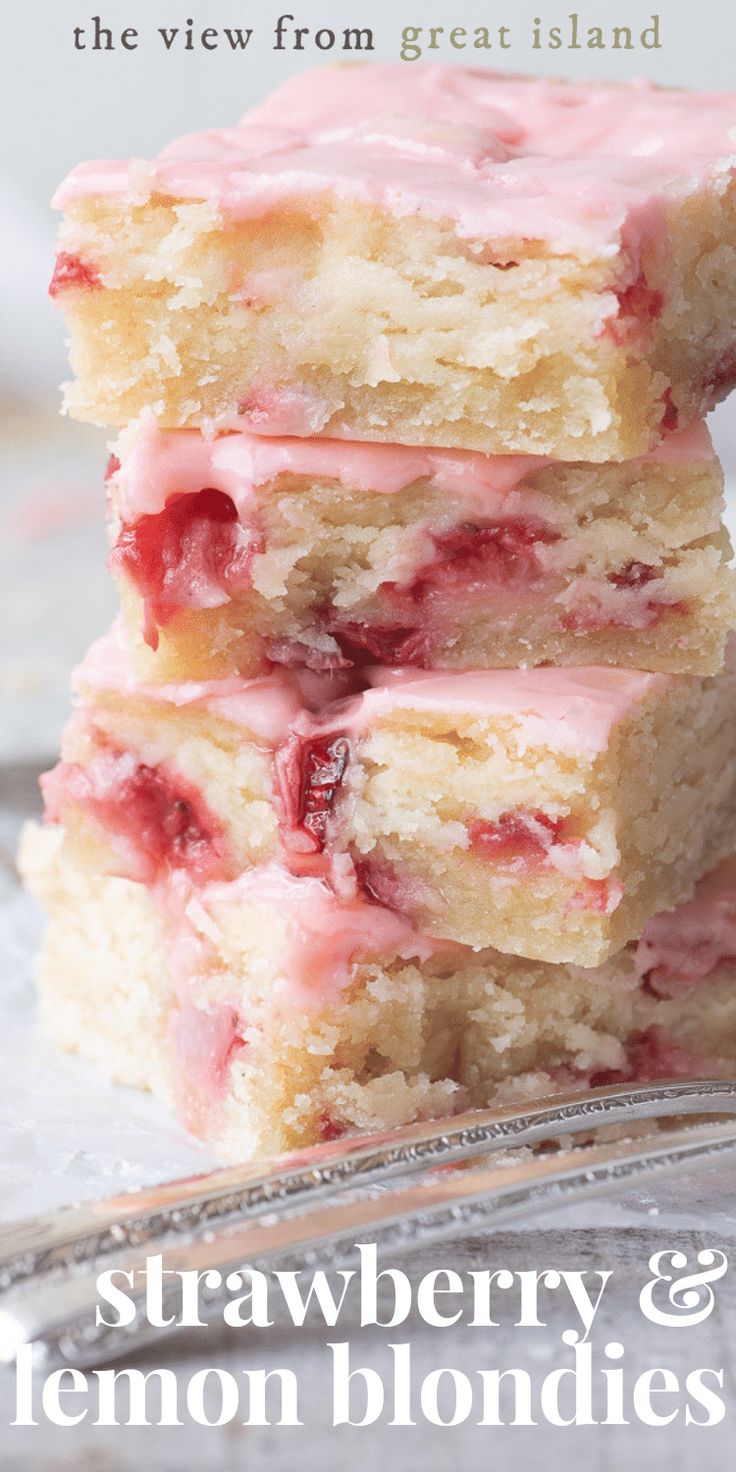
639 305
468 558
154 819
296 654
477 555
652 1055
206 1040
397 644
670 414
640 300
589 617
268 409
515 837
112 467
634 575
310 773
193 554
330 1129
258 408
71 270
595 896
378 879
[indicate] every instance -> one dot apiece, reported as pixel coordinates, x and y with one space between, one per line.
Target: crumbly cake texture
546 812
290 1017
430 256
169 778
240 552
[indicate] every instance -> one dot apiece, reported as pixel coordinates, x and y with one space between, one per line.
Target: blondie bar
438 256
545 812
272 1014
238 553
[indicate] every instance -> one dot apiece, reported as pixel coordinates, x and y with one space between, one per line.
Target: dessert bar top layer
151 465
505 157
567 709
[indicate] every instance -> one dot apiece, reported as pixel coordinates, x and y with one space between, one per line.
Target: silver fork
404 1187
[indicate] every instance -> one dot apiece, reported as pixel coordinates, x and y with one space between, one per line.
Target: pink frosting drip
158 464
687 945
327 934
502 156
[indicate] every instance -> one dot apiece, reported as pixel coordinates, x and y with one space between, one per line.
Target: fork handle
63 1239
58 1316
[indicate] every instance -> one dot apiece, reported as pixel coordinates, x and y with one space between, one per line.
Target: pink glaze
504 157
152 465
205 1041
162 463
686 945
265 706
573 709
189 511
326 935
324 938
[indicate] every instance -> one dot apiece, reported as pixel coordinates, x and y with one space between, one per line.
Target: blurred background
63 105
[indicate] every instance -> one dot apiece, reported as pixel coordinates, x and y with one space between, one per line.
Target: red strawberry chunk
469 558
310 773
331 1129
154 819
596 896
257 407
639 305
634 575
193 554
518 836
640 300
477 555
72 270
670 414
382 881
397 644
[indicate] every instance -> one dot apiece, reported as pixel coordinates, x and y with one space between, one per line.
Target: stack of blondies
406 779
